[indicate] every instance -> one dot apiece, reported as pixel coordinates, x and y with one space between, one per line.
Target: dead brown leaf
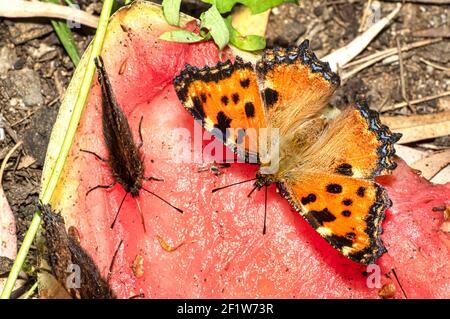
433 164
26 161
419 127
442 177
409 154
440 32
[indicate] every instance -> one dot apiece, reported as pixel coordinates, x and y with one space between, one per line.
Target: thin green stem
48 189
30 291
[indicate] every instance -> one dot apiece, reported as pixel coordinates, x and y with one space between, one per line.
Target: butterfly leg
101 186
151 178
96 155
265 209
140 133
162 199
214 167
118 211
111 265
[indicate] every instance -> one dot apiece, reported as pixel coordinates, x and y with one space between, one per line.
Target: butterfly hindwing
331 184
223 97
347 212
355 144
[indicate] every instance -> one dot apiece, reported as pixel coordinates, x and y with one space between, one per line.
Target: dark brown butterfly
125 157
64 251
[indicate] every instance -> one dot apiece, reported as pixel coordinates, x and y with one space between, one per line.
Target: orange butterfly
326 167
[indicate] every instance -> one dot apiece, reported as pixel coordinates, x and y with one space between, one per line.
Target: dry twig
402 76
434 65
5 160
417 101
367 61
27 9
347 53
440 32
366 12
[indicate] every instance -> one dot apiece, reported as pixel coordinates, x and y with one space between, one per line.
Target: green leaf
256 6
171 9
247 43
213 21
183 36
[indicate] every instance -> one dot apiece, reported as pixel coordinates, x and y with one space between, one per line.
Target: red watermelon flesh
224 253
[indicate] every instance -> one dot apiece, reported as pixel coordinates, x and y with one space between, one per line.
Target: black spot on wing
235 98
223 122
320 216
249 109
350 235
270 97
203 97
376 215
361 191
334 188
346 213
198 108
311 198
347 202
245 83
344 169
339 241
224 100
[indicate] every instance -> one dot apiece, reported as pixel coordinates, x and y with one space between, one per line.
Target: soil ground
35 70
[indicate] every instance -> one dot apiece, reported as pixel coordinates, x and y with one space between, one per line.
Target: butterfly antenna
142 215
265 210
111 265
118 211
241 182
165 201
251 192
398 281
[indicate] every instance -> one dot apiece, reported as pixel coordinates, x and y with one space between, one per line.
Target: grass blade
65 37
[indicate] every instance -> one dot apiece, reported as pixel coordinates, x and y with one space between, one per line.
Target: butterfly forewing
295 85
223 97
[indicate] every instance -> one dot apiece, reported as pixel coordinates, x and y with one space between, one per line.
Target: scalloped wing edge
374 219
293 54
386 150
